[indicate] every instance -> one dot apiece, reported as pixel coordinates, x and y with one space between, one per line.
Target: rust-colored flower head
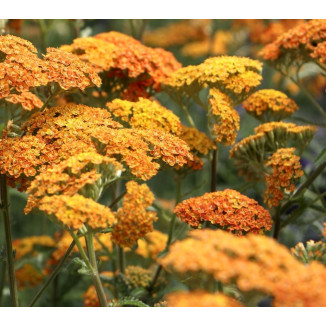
269 104
145 114
28 276
27 100
178 33
134 218
200 298
312 251
20 67
253 263
75 211
320 52
228 209
297 45
285 171
68 70
225 119
152 244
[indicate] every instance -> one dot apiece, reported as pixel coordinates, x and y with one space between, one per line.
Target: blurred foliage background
218 37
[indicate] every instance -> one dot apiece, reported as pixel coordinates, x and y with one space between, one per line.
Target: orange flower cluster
134 220
152 244
312 251
90 297
69 71
320 52
226 118
234 76
178 33
74 211
137 276
27 100
28 275
285 171
26 246
229 209
269 104
199 298
217 46
253 262
296 45
145 114
98 53
20 67
71 176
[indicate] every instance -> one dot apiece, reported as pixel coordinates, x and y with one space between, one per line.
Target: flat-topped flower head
68 70
27 100
200 298
297 45
20 67
137 276
75 211
145 114
228 209
134 218
270 104
253 263
285 171
226 120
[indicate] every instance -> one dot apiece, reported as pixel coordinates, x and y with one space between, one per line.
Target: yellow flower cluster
26 246
152 244
285 171
228 209
217 46
145 114
234 76
226 118
312 251
20 67
137 276
27 100
134 221
270 104
178 33
199 298
74 211
253 262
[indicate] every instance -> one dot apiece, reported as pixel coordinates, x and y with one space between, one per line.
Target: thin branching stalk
214 170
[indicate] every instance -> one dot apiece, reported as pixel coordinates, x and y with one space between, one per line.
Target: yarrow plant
155 165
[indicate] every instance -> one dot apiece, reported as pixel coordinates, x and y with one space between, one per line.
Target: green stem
53 274
2 279
95 274
277 225
122 260
214 170
9 252
191 121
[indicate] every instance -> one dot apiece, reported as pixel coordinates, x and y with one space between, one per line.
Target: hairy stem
8 238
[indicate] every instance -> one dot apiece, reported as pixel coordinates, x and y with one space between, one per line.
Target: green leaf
129 301
83 269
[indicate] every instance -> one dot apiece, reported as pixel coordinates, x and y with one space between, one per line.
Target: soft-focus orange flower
270 104
137 276
253 262
90 297
27 100
178 33
285 171
200 298
320 52
68 70
226 118
152 244
134 220
28 275
312 251
20 67
229 209
145 114
74 211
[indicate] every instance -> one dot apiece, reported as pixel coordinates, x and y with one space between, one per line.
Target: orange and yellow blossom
28 275
137 276
27 100
200 298
285 171
253 262
134 220
270 104
228 209
152 244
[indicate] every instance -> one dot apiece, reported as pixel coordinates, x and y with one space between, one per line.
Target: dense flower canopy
229 209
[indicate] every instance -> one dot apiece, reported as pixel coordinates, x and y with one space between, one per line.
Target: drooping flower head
285 171
268 104
253 263
228 209
200 298
134 218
